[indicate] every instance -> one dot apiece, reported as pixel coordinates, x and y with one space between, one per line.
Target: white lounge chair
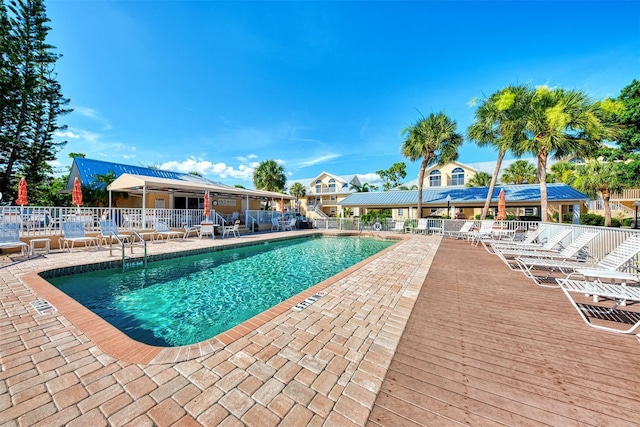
611 285
613 261
485 232
551 243
10 238
231 229
108 229
463 233
575 250
163 232
73 232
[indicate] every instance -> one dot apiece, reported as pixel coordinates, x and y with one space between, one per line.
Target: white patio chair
231 229
10 238
398 227
575 251
613 261
206 229
611 285
275 224
422 227
72 233
289 225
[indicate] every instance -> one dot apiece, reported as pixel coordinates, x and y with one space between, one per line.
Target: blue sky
217 87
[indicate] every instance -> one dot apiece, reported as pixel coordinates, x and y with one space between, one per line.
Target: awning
130 183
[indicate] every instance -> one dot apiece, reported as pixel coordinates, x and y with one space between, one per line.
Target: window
332 185
318 186
457 176
435 179
400 212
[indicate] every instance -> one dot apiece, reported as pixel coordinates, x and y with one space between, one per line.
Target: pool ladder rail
132 263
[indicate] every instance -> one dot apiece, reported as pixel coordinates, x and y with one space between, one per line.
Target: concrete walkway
322 366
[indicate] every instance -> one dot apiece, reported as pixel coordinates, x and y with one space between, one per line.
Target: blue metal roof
465 195
87 169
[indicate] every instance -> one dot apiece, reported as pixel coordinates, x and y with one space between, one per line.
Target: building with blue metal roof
522 200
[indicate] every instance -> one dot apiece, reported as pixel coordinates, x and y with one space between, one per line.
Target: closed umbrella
22 193
207 211
502 206
77 193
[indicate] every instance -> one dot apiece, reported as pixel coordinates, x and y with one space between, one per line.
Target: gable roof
87 169
464 166
526 193
128 177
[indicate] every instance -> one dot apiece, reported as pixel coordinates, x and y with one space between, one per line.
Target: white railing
598 205
37 221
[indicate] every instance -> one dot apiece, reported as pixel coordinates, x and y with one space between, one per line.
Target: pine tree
32 99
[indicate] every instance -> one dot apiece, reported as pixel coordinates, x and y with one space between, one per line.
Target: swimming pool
186 300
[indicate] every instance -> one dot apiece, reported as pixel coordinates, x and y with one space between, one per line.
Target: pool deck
429 332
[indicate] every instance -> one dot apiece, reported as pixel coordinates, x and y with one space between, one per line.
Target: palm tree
269 176
519 172
602 179
96 192
434 140
480 179
500 124
559 123
564 172
364 188
297 190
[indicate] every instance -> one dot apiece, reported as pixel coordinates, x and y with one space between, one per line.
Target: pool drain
306 303
43 307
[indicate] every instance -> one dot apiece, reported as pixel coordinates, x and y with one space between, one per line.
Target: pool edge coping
118 345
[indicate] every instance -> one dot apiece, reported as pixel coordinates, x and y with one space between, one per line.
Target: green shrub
591 219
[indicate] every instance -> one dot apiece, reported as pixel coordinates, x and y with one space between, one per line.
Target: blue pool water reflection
190 299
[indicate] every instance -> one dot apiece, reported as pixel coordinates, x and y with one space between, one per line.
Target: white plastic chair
206 229
231 229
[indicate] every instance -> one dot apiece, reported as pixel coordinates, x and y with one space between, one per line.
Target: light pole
635 205
449 203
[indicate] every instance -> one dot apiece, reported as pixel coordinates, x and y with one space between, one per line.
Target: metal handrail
144 242
253 222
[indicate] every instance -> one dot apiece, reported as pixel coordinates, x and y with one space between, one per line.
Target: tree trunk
542 177
606 197
492 185
423 167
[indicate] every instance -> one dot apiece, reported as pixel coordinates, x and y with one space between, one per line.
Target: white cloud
371 179
243 172
92 114
67 134
315 160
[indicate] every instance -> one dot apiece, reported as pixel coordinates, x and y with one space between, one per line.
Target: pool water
186 300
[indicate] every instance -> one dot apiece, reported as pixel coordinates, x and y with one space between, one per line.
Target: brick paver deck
320 366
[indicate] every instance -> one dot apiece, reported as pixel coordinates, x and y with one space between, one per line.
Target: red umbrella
502 206
22 193
207 211
77 193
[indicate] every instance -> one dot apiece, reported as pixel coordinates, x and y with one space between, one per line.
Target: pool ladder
132 263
